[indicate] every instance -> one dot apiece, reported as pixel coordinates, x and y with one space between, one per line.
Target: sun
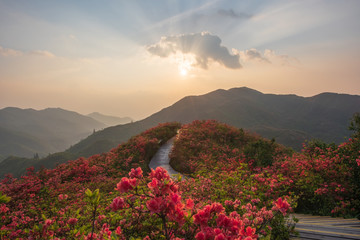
183 71
185 64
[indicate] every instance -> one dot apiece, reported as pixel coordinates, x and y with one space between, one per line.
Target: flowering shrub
226 195
153 207
323 178
53 203
204 144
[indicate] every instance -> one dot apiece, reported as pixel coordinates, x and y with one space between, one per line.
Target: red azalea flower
189 203
72 221
136 173
126 184
118 203
118 231
249 233
154 205
200 236
282 205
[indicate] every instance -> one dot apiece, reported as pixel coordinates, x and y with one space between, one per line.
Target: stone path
161 158
327 228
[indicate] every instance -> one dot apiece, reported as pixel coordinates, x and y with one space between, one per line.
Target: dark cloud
231 13
203 46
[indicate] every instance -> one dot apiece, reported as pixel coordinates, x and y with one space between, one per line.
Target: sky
135 57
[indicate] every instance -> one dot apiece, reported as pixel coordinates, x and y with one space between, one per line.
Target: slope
25 132
290 119
109 120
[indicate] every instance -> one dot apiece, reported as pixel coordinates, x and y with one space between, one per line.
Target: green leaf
88 193
4 198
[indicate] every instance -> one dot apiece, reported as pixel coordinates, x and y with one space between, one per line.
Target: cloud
203 46
269 56
251 55
284 60
73 37
232 14
8 52
41 53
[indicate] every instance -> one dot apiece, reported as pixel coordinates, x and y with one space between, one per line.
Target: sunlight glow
185 63
183 72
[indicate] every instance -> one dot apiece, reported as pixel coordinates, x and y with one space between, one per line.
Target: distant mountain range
109 120
289 119
29 132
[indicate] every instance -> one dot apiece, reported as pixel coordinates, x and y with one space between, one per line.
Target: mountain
109 120
289 119
26 132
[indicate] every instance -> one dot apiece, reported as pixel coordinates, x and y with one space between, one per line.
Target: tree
355 125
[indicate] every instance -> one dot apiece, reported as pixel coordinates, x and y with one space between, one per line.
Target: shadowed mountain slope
25 132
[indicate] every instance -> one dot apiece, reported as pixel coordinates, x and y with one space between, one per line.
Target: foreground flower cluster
55 203
153 207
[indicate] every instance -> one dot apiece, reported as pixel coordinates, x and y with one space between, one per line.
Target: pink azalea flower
3 208
189 203
72 221
62 197
118 231
282 205
249 233
154 205
220 237
136 173
200 236
126 184
118 203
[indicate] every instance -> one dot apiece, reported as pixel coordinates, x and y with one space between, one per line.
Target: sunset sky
135 57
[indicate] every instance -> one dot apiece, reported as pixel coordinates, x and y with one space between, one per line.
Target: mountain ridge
172 113
289 119
109 120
